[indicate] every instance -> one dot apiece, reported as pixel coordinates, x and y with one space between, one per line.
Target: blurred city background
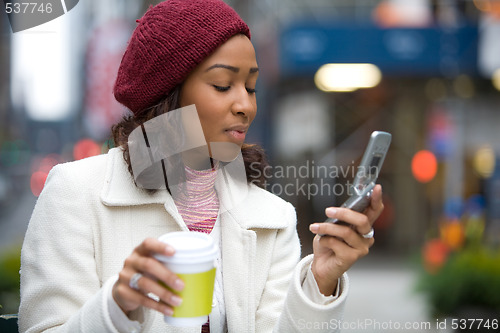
427 71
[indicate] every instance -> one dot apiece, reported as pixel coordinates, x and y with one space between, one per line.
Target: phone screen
374 165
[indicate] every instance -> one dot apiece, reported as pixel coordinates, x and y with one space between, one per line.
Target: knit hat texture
170 40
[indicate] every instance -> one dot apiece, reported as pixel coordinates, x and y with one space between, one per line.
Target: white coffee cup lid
190 247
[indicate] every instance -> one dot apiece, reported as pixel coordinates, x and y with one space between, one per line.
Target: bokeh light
492 7
13 153
496 79
435 89
453 208
86 148
40 168
48 162
347 77
464 86
452 234
45 163
424 166
37 182
484 162
434 253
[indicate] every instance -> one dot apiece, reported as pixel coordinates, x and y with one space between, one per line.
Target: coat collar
119 188
247 205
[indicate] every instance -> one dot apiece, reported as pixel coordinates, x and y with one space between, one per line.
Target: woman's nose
244 104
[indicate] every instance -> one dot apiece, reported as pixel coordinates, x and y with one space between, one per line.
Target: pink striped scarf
198 204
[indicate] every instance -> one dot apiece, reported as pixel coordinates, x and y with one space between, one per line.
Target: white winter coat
90 216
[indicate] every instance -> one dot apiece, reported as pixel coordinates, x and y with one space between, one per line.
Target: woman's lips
236 135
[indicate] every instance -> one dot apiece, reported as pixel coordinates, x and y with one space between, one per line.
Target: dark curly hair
253 155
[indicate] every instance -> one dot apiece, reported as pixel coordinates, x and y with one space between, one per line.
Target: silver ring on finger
369 234
134 281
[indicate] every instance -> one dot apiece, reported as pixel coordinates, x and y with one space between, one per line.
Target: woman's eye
221 88
251 90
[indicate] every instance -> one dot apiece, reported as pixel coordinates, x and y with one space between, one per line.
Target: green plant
10 263
469 278
461 271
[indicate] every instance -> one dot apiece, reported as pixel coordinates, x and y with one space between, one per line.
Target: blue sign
305 46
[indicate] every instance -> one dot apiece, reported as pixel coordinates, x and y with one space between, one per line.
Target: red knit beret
167 44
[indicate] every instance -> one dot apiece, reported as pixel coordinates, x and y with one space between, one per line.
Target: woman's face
223 89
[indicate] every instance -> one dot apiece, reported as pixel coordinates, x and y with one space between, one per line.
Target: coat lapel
238 257
244 209
120 190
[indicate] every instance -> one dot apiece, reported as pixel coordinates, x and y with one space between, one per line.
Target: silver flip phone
367 173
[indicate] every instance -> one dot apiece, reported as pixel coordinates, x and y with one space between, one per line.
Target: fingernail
179 284
168 312
169 249
331 211
314 228
176 300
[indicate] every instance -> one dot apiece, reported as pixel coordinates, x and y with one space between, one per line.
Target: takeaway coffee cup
194 263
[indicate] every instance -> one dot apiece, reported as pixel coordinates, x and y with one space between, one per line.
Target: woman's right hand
142 261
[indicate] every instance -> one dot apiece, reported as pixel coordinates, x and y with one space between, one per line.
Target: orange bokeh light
86 148
37 182
424 166
453 234
435 253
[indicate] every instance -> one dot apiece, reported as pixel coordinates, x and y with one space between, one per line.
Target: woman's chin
224 151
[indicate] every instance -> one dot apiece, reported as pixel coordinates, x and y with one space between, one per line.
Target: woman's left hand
341 246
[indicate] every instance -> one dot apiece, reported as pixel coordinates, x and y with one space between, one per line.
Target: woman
88 258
